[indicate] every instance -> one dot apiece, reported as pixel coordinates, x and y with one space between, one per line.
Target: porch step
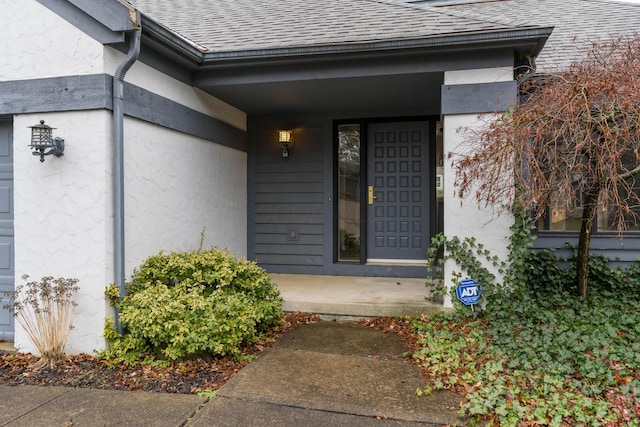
346 297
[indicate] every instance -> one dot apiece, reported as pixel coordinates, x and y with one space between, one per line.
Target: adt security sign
468 292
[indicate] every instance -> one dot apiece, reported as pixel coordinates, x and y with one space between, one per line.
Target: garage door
6 226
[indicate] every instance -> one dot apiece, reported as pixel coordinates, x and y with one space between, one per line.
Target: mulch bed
186 377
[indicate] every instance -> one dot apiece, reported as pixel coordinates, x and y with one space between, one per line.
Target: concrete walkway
324 374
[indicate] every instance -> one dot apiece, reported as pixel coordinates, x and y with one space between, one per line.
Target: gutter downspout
118 161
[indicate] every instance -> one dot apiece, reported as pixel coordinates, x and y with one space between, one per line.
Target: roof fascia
527 41
171 44
115 15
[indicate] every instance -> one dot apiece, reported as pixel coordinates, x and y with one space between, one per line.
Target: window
349 192
565 213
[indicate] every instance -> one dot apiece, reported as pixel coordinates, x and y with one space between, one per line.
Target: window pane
439 178
607 214
349 192
562 216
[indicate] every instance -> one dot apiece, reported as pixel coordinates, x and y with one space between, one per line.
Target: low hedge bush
185 304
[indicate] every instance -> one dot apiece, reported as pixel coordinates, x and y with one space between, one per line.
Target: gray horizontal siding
293 219
619 251
265 198
281 229
295 166
276 259
292 269
289 208
289 187
285 249
281 238
288 197
279 177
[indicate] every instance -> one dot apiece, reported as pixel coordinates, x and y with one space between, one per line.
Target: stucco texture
37 43
178 185
63 215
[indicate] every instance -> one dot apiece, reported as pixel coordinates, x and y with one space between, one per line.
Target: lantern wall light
43 143
285 137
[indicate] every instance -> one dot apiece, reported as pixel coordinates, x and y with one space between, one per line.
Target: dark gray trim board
94 92
619 251
148 106
478 98
90 24
88 92
526 41
117 16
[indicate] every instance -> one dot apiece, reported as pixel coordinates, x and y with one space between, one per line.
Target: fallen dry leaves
185 377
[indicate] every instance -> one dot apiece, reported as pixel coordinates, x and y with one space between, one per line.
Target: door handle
371 196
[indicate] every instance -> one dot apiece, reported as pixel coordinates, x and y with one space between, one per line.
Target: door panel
6 227
398 171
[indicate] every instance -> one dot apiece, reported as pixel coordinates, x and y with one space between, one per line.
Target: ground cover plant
540 355
190 304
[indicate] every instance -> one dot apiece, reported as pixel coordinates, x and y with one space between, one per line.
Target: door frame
431 181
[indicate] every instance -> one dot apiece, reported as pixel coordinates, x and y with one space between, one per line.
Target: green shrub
184 304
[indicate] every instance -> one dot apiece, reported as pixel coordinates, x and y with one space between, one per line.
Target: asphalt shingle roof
577 23
239 25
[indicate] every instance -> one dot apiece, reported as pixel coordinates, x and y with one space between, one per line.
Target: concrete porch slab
348 297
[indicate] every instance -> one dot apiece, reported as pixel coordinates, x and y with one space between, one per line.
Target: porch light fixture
42 140
285 137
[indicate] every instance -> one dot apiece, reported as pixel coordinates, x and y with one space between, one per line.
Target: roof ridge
618 2
457 13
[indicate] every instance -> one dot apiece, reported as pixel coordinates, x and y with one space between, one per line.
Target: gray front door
398 196
6 227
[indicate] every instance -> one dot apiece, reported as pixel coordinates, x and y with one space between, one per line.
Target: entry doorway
385 192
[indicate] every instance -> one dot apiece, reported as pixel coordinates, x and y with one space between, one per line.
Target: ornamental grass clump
45 310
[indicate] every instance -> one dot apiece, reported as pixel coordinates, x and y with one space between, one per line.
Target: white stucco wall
154 81
465 218
63 217
37 43
175 184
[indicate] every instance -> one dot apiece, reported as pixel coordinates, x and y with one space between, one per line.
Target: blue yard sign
468 292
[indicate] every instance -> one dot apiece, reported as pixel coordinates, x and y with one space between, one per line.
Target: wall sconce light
42 139
285 137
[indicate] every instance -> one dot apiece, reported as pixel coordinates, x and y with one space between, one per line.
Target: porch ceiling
401 94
